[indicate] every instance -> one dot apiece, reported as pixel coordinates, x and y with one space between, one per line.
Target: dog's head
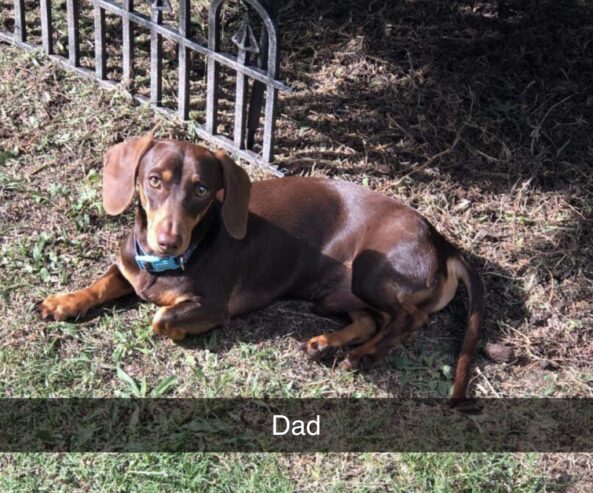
177 182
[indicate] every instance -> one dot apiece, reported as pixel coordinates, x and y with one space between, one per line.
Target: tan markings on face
149 214
167 175
142 197
155 218
150 218
196 179
186 224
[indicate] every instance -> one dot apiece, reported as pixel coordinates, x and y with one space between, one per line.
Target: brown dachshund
207 246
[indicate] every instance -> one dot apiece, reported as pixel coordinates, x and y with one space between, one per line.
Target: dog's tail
470 278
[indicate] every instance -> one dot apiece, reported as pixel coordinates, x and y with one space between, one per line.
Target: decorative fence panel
255 82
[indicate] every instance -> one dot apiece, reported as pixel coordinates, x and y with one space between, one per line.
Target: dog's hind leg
341 300
405 322
361 329
379 283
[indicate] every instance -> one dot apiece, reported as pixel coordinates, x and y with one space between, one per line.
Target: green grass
146 473
369 473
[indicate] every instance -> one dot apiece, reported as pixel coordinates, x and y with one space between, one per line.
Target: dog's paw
317 348
63 306
161 328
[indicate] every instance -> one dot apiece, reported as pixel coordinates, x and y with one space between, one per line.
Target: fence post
256 99
46 26
213 68
270 123
184 60
127 44
271 91
73 8
245 41
258 88
20 26
156 56
100 55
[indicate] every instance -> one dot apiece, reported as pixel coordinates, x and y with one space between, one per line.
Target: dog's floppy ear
235 206
120 165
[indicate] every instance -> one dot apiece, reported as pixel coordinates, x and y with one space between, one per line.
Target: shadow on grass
449 92
398 83
420 357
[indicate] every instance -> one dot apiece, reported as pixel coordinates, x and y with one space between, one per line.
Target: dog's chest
160 289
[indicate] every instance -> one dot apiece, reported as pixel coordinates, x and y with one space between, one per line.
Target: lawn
482 124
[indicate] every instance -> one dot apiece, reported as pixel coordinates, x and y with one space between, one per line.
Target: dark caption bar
294 425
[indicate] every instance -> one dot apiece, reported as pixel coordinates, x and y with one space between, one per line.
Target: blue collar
154 263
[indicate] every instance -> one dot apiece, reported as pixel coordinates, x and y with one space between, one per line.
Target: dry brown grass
484 124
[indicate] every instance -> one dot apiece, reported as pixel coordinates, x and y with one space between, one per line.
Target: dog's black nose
168 242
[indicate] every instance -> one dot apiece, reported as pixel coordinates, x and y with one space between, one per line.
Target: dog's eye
154 181
201 191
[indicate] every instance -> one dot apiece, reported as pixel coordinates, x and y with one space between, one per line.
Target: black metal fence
255 63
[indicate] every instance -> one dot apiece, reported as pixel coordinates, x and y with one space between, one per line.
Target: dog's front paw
63 306
160 327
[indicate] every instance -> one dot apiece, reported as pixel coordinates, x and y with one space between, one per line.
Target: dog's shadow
417 365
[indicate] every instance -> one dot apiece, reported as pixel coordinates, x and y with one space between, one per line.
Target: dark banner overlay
294 425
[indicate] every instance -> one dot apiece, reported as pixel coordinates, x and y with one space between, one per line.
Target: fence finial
244 38
162 5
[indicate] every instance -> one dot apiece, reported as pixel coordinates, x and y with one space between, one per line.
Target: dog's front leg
110 286
188 316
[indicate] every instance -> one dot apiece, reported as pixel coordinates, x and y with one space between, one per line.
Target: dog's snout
169 235
169 242
168 239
